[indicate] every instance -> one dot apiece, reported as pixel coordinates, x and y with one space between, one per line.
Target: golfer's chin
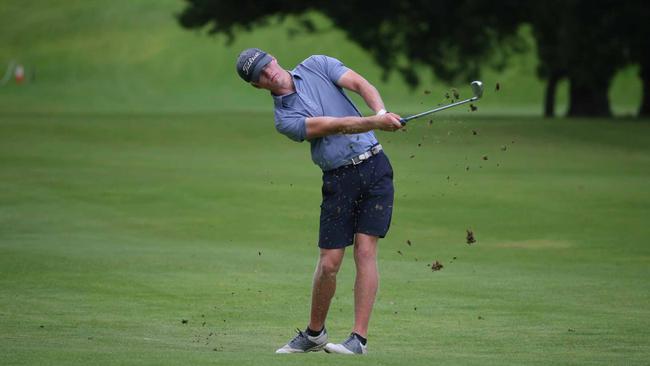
277 84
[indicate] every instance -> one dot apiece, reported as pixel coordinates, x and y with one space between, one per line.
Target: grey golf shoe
303 342
350 346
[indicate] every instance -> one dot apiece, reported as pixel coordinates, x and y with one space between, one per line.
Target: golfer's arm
325 126
352 81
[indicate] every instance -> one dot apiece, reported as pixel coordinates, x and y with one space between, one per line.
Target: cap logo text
249 62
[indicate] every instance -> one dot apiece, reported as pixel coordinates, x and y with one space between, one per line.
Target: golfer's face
270 75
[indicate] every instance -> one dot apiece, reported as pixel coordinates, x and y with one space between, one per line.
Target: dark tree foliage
453 38
588 42
226 16
594 54
583 41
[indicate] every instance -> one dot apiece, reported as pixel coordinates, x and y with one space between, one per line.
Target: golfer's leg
324 285
367 281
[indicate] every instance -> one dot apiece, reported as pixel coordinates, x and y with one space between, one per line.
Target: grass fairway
150 214
114 228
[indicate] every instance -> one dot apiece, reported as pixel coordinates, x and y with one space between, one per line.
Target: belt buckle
361 158
366 155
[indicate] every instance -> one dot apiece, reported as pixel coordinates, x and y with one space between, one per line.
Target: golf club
477 90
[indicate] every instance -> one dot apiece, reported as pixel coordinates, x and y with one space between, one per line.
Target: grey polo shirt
317 94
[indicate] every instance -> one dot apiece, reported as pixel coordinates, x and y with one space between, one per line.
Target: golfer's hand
389 122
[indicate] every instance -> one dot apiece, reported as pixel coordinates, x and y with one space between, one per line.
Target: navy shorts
356 199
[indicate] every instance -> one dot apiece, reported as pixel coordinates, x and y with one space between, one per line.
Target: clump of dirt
474 132
473 108
504 148
485 157
408 242
183 321
259 253
399 252
412 156
497 87
456 94
427 92
436 266
470 237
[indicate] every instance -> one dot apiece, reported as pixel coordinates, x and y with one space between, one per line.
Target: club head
477 89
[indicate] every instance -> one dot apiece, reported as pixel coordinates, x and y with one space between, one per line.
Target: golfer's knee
365 253
328 267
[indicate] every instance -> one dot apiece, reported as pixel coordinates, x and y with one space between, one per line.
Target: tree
227 16
594 55
549 30
577 39
585 42
454 39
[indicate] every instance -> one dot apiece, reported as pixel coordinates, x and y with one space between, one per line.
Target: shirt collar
295 73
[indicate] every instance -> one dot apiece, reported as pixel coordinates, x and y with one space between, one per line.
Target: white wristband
381 111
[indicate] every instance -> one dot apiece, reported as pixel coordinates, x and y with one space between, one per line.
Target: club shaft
406 119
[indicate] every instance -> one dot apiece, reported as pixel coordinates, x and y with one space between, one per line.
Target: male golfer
357 178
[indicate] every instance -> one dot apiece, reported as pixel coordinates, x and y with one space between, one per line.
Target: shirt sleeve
291 125
331 67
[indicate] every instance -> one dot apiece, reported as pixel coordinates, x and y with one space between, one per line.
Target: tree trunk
588 97
644 111
549 97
